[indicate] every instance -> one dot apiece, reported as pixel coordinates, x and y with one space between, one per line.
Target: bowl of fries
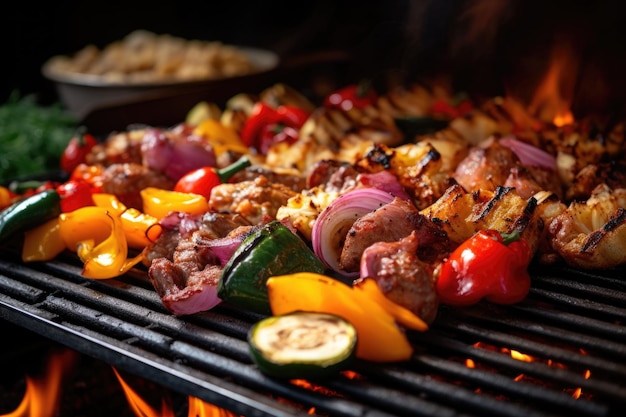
145 66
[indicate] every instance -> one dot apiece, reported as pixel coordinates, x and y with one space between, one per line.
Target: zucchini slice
302 344
270 250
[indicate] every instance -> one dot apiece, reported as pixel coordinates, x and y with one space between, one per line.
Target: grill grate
571 325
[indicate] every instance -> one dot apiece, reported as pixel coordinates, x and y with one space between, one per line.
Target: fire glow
522 357
42 395
553 96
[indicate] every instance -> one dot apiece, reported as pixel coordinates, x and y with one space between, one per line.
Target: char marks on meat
390 223
402 276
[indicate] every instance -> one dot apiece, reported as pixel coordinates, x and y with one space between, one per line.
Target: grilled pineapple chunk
592 234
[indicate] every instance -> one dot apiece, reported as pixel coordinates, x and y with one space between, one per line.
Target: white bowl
85 94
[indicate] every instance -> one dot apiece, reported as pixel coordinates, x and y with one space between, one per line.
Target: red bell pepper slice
74 195
256 132
487 266
356 96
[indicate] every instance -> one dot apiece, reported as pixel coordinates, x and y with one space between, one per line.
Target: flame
553 97
42 394
197 407
139 406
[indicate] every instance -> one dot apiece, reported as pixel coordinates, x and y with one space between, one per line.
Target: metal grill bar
122 321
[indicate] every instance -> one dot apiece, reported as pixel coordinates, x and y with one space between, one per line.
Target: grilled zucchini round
302 344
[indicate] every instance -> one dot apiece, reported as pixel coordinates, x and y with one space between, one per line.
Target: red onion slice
331 226
386 181
528 154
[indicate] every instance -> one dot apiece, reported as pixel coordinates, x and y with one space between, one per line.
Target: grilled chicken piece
461 214
302 210
402 276
418 168
592 234
257 201
390 223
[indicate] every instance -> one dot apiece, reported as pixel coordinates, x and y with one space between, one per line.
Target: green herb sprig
32 136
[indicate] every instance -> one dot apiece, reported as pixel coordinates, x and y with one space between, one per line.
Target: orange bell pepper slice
98 238
376 318
43 242
159 203
141 229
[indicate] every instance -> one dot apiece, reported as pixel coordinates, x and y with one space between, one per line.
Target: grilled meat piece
187 282
490 165
461 214
390 223
118 148
181 226
128 179
592 234
402 276
257 201
331 174
185 293
289 177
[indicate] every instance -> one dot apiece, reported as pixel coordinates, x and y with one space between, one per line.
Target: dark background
487 46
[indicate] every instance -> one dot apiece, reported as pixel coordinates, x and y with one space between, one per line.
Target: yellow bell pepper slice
221 137
159 203
97 236
43 242
140 229
109 202
372 314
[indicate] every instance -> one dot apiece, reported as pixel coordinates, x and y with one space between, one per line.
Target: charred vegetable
302 344
271 250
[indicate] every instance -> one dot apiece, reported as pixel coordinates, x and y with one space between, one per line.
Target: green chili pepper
29 212
270 250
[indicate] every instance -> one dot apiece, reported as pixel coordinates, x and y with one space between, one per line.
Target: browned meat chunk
257 201
485 167
391 223
290 178
127 180
181 226
491 165
402 276
332 175
187 283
